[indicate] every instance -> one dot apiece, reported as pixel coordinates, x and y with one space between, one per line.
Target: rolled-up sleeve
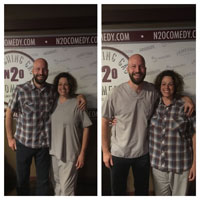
14 101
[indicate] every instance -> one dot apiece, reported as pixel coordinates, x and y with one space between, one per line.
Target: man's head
40 71
136 68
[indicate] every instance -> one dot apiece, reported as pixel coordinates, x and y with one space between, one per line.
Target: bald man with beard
131 104
33 102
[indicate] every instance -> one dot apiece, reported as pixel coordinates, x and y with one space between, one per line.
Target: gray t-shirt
67 123
132 110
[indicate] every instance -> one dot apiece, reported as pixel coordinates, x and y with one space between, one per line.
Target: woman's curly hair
177 79
71 81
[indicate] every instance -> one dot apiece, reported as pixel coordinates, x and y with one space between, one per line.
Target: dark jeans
24 157
119 174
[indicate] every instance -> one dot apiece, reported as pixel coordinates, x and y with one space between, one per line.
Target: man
131 104
33 102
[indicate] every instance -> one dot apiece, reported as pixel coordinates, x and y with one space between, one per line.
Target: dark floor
106 189
191 191
86 185
83 189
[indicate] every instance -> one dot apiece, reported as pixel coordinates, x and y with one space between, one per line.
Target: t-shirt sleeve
156 95
107 106
86 122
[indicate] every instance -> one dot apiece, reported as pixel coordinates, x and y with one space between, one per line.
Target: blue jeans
24 157
119 174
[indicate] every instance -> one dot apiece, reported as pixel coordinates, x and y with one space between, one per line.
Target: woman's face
63 87
167 87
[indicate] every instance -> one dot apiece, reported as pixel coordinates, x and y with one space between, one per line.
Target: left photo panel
50 100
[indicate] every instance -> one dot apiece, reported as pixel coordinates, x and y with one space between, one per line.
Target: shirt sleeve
86 122
192 121
14 101
107 106
156 95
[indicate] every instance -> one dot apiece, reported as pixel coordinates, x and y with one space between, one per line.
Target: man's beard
137 82
40 81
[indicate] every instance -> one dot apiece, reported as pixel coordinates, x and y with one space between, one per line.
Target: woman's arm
192 173
81 157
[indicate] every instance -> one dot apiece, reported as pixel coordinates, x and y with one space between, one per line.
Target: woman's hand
192 173
113 122
80 161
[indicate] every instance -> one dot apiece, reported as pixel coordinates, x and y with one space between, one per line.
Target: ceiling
33 17
148 13
48 17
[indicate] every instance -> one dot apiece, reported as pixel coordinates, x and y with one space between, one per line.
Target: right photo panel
148 100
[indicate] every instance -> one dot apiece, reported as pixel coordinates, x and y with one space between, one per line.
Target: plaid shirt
34 107
170 137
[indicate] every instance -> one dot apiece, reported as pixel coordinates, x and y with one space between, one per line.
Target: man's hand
188 106
192 173
9 130
12 144
82 103
107 159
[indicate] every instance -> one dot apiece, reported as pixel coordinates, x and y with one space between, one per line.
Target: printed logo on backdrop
114 64
17 70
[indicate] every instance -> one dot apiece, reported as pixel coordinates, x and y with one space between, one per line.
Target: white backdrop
80 60
178 55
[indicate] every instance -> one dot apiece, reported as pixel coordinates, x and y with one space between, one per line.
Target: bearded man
33 102
131 104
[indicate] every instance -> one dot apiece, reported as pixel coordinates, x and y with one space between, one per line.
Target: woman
172 138
69 128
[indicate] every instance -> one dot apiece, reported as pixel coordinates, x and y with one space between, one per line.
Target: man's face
136 69
40 72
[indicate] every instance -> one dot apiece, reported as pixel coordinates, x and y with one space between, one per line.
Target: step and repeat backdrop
166 49
173 49
76 54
